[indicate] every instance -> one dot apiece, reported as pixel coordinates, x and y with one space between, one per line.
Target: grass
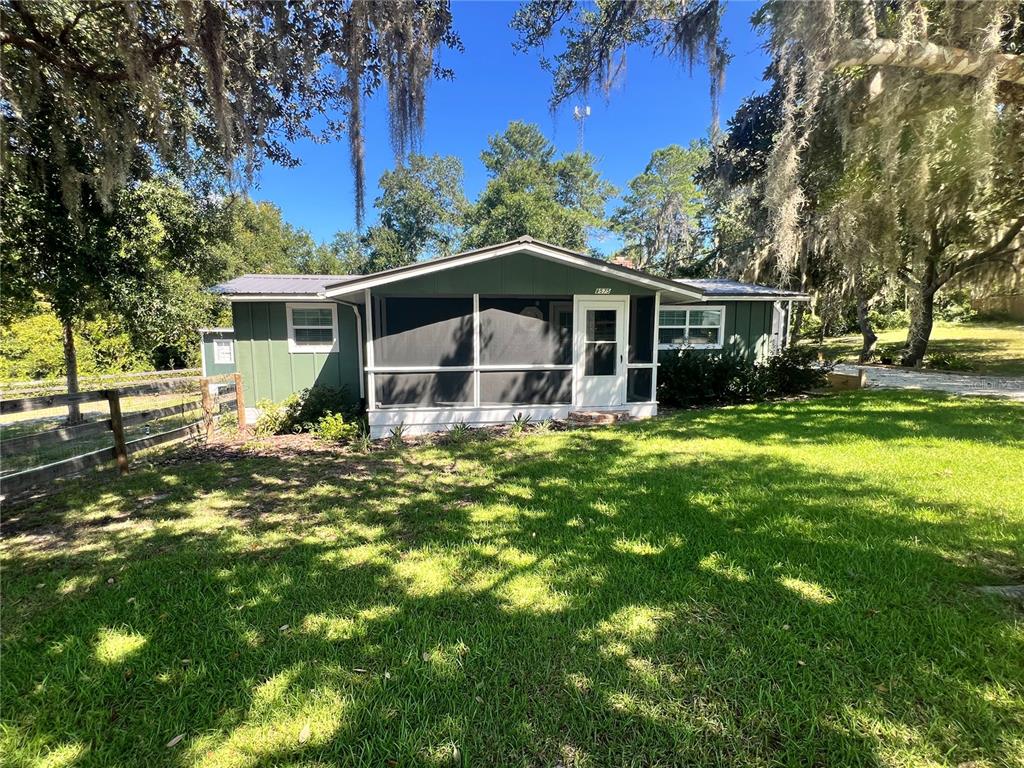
993 347
780 584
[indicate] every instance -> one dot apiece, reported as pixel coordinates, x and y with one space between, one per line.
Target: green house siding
748 328
517 274
210 367
271 372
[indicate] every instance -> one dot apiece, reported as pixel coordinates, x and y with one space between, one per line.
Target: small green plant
544 426
520 422
458 433
334 428
227 423
362 442
396 436
949 361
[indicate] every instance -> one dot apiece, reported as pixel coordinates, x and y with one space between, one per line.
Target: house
479 337
217 350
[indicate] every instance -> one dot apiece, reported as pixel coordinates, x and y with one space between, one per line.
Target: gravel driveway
1011 387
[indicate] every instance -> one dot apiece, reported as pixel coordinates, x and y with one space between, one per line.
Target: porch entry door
601 351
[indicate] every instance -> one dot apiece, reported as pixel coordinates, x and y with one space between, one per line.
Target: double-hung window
312 328
697 327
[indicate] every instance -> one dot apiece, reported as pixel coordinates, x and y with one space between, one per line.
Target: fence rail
29 386
122 449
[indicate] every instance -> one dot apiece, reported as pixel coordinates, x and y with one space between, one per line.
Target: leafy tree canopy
659 218
532 193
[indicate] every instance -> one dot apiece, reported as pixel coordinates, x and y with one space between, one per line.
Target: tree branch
928 58
994 252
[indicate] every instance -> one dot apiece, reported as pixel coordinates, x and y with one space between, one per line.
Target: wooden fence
121 451
29 387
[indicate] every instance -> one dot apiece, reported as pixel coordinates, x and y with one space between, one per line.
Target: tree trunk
922 312
71 365
867 350
798 320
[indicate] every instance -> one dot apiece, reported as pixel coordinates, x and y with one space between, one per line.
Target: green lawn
993 347
780 584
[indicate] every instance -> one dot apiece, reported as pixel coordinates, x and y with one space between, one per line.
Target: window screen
639 382
224 351
534 331
525 387
311 328
641 329
600 346
420 331
445 388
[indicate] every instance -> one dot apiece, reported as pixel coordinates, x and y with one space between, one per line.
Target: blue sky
658 103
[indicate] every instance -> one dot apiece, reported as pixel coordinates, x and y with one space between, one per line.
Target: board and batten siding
270 372
517 274
748 327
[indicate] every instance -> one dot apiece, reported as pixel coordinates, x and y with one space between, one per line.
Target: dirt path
1011 387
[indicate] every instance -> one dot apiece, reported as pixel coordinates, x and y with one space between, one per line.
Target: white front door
601 350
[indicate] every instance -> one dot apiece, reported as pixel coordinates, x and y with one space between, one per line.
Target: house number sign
602 291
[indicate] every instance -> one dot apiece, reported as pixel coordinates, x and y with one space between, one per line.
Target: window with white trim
312 328
223 352
697 327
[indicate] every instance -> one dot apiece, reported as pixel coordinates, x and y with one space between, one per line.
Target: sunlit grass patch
114 646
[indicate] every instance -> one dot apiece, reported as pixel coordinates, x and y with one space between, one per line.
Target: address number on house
602 291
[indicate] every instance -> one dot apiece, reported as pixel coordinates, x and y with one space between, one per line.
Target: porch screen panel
525 387
639 383
526 331
413 331
442 389
641 329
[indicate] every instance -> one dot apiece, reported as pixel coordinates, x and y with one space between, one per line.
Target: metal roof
279 285
718 287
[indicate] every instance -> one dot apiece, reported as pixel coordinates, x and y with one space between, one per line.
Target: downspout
359 345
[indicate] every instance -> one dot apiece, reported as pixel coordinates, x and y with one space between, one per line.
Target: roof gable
525 245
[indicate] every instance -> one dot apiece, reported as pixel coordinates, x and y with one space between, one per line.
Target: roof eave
272 296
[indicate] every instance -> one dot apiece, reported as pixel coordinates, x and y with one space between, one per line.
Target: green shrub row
690 377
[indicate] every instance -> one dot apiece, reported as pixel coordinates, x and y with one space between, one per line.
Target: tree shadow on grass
588 597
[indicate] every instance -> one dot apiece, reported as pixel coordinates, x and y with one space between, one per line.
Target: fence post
239 401
117 427
207 406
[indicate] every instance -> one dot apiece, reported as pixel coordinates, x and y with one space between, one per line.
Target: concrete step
597 417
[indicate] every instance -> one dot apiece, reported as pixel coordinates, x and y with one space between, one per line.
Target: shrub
954 306
889 319
334 428
792 371
274 418
699 378
302 412
316 402
949 361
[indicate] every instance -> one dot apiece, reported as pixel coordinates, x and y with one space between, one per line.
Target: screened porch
483 358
